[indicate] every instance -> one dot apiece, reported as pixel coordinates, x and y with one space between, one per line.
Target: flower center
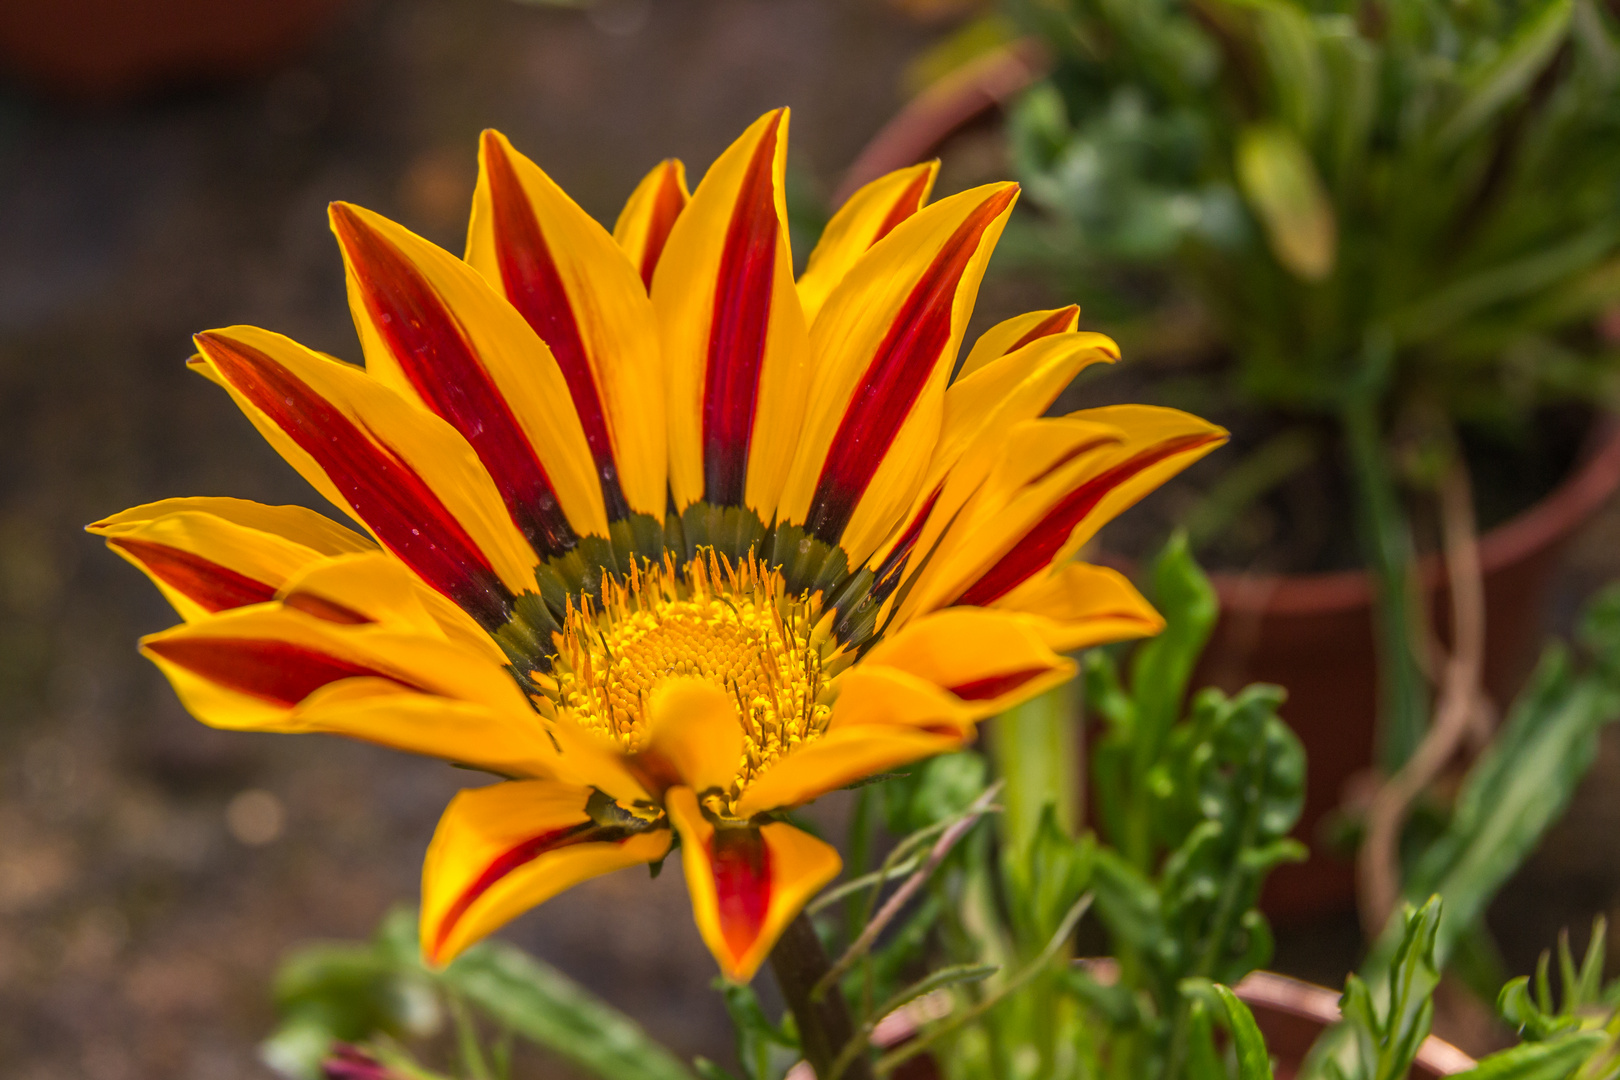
731 624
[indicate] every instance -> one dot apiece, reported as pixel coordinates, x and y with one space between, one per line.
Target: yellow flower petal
1012 334
693 735
566 276
399 470
268 668
734 340
1080 605
993 659
644 223
211 555
434 330
867 217
884 346
746 883
503 849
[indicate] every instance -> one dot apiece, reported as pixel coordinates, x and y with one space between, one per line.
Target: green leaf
1162 667
540 1004
1507 77
1281 183
1253 1060
1554 1060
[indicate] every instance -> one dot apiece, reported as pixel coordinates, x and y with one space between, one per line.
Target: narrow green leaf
1556 1059
1253 1060
1509 75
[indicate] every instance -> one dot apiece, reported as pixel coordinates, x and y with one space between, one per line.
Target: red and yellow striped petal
433 329
647 218
693 736
503 849
734 341
269 668
869 215
883 718
211 555
989 659
884 346
376 588
979 412
1081 605
1056 482
746 883
402 472
583 298
1013 334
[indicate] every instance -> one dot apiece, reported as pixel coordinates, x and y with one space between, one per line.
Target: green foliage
1390 1021
1522 783
1319 172
380 991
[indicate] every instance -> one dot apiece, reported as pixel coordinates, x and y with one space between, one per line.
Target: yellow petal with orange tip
405 474
867 217
746 883
884 346
277 670
991 659
649 215
1012 334
1080 605
883 718
433 329
583 298
735 347
500 850
693 735
212 555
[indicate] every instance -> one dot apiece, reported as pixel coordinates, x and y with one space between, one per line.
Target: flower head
668 539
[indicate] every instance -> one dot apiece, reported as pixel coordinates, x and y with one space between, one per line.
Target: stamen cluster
730 623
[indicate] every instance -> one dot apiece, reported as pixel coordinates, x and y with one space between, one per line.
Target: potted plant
1395 227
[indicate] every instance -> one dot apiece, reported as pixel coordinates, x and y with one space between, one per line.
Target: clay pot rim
927 121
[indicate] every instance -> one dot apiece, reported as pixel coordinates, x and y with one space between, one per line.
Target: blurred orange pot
103 49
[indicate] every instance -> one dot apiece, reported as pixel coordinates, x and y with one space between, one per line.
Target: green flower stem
1387 542
824 1023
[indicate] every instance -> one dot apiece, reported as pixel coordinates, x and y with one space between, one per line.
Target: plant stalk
799 963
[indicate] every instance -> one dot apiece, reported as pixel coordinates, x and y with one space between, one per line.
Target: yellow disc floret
731 624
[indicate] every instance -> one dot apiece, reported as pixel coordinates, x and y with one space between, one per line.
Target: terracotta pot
1290 1013
1310 633
100 49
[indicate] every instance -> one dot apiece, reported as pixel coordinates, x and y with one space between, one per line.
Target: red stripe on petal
1043 542
1058 322
741 863
513 858
211 586
994 686
275 671
667 206
440 364
741 323
386 493
322 608
535 287
909 202
896 376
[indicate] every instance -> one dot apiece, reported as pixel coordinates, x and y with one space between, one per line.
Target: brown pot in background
1290 1014
98 50
1310 633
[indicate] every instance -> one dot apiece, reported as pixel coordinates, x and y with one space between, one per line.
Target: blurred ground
152 870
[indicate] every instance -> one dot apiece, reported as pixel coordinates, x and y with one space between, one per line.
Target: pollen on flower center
731 624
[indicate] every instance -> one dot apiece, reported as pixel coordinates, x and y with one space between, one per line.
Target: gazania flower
667 539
